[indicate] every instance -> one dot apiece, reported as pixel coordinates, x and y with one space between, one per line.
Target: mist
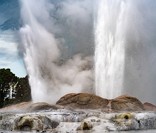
125 45
140 56
53 71
58 40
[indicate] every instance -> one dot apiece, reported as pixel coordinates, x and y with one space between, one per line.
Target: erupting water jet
124 57
110 48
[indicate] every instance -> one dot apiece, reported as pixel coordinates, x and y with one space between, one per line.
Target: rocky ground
80 113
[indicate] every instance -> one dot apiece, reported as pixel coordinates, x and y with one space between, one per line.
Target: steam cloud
58 38
135 28
140 58
50 75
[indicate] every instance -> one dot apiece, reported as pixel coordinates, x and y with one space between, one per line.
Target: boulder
28 123
149 107
34 122
126 103
82 101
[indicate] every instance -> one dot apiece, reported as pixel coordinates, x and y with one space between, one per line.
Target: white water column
110 28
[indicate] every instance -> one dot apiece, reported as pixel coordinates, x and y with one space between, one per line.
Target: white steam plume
126 28
49 76
67 27
140 56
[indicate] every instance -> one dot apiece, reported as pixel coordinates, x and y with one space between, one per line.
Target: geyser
110 48
124 47
49 76
125 60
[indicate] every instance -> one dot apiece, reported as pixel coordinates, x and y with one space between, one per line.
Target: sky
9 54
9 40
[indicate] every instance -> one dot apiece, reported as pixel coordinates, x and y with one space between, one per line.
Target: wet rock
49 123
83 101
28 123
125 121
30 107
126 103
90 123
20 107
42 106
90 101
67 121
85 125
74 101
34 122
134 121
149 107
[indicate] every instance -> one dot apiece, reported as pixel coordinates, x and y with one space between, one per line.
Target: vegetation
13 89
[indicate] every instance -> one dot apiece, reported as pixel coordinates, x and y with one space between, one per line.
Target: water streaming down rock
110 49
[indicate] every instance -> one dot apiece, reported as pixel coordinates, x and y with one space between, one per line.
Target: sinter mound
90 101
85 101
